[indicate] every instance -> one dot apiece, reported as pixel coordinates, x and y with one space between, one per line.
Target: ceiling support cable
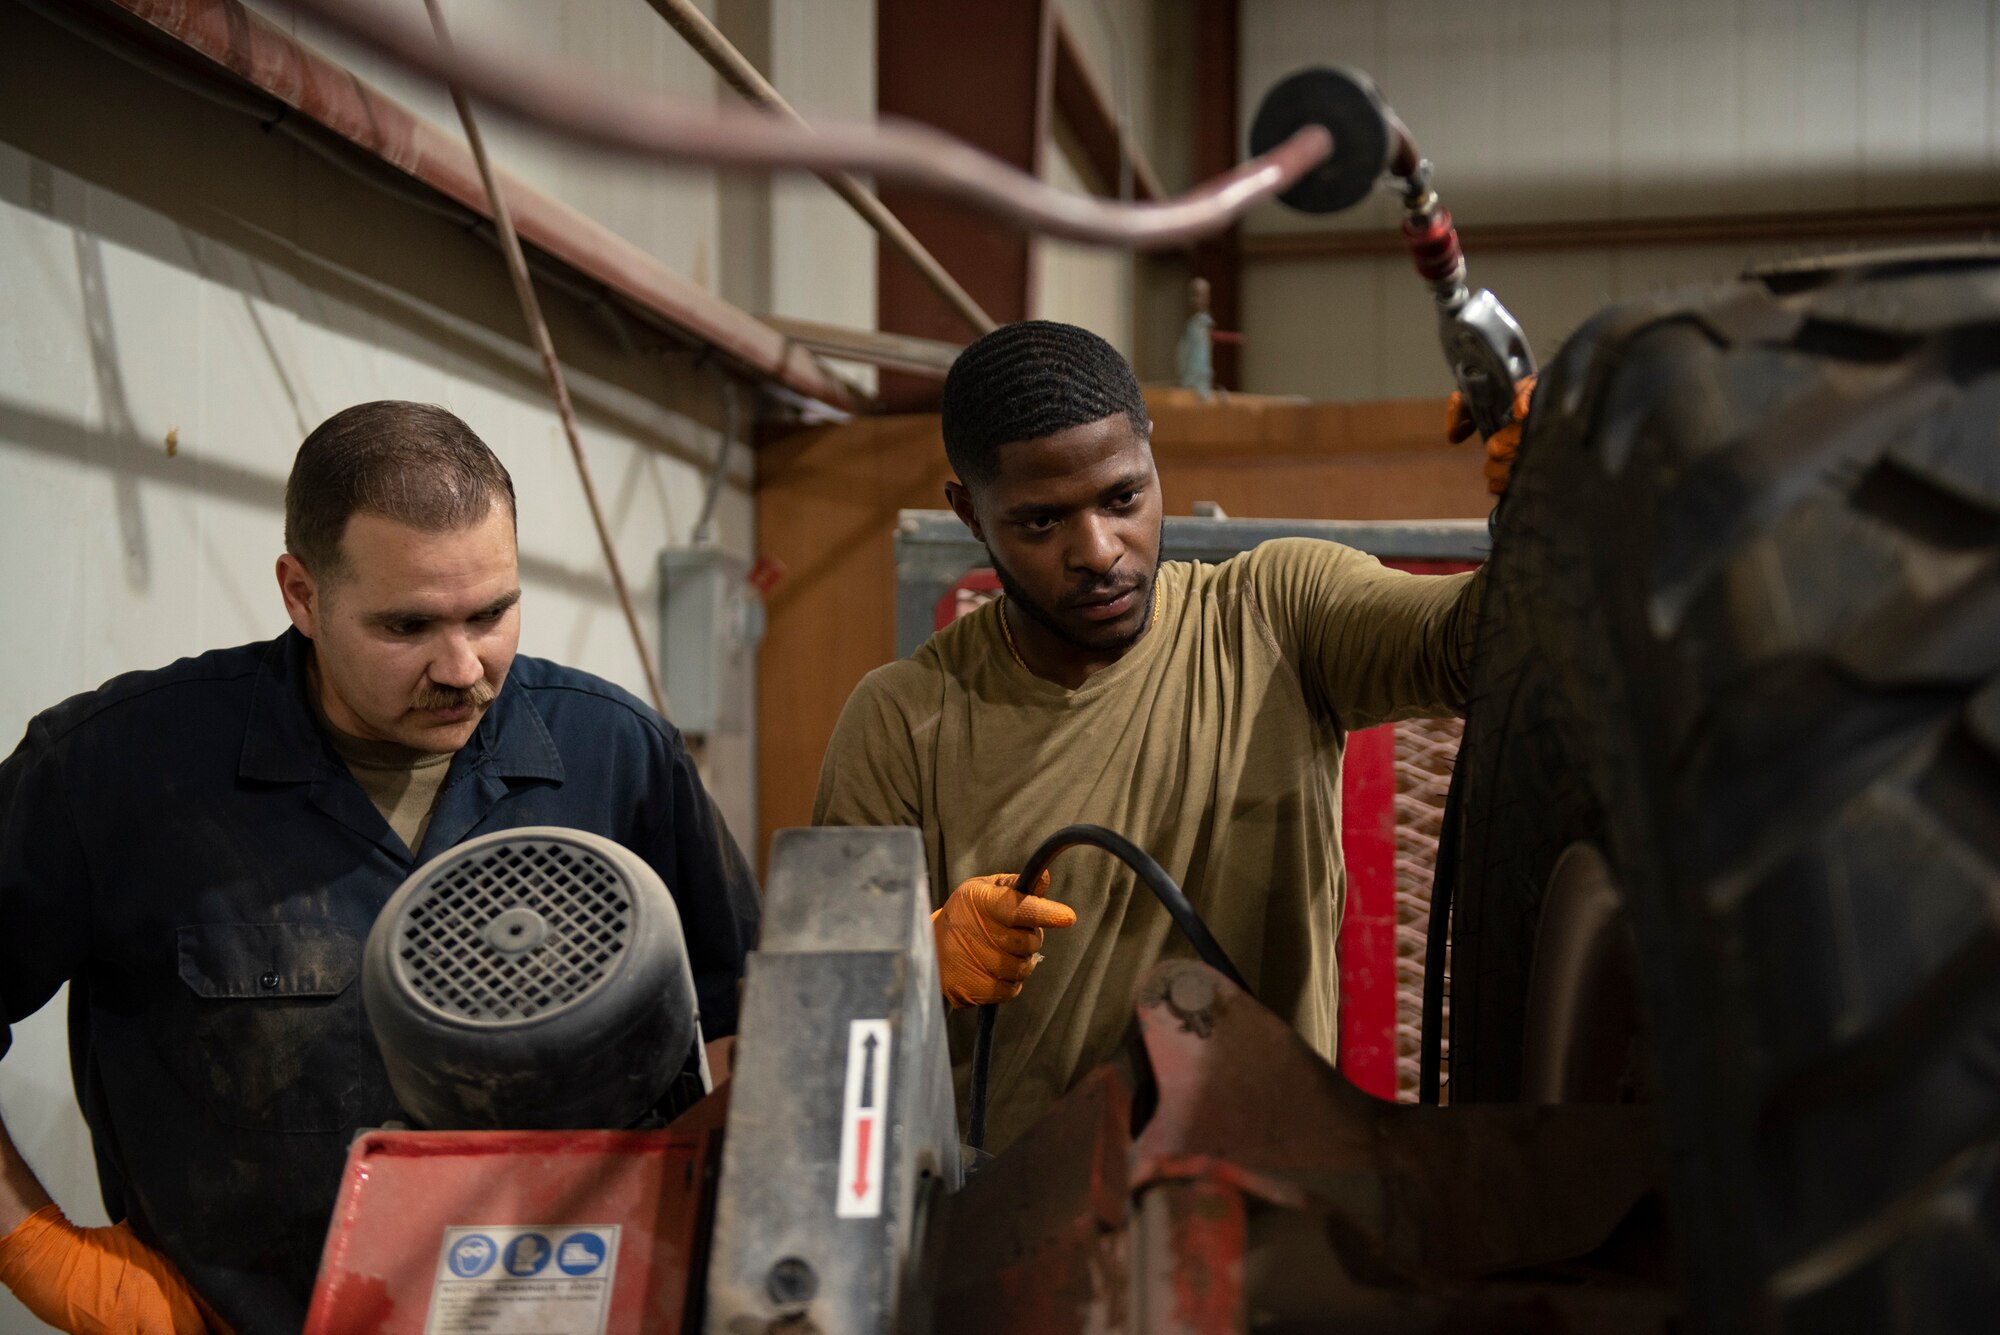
538 329
737 71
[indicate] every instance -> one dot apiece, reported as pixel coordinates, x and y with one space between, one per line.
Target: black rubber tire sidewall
1747 787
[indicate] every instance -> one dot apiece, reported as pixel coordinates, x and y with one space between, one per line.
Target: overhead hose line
1155 878
633 121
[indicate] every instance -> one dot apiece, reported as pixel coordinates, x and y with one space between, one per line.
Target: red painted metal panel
1191 1279
985 74
1036 1241
974 589
1367 947
403 1189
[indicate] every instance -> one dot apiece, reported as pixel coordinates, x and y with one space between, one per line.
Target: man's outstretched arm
1370 644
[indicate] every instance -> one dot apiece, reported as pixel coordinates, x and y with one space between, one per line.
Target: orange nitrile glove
95 1281
987 937
1506 442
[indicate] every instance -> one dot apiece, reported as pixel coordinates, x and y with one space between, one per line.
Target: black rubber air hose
1155 878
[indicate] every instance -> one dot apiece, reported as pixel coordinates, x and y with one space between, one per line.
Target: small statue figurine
1194 356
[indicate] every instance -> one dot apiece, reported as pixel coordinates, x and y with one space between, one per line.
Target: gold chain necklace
1007 633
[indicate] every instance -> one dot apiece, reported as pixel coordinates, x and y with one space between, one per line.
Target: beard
1050 619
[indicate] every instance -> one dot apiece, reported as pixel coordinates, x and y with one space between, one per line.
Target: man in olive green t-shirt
1199 710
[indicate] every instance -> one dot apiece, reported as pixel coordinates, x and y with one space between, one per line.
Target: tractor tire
1740 652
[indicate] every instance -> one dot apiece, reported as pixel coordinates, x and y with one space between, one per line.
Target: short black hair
411 462
1029 380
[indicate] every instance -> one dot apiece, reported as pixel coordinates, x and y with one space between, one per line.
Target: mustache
430 695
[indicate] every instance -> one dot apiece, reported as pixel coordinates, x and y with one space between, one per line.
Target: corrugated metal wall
1083 285
822 254
1551 110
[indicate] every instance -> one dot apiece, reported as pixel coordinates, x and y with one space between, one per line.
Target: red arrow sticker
863 1106
862 1135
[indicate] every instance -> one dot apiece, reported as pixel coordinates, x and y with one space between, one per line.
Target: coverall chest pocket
277 1024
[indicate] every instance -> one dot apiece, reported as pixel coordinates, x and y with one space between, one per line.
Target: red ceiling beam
984 73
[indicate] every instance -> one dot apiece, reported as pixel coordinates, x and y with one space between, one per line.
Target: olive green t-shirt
1214 744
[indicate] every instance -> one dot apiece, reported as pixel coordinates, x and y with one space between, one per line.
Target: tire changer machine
571 1172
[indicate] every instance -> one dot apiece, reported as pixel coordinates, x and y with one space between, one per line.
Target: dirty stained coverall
187 850
1214 744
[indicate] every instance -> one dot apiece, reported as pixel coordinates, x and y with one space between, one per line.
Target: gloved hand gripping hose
1155 878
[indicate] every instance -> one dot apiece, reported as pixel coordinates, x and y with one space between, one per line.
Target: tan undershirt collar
401 781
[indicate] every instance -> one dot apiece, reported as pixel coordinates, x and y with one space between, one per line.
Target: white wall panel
166 267
1958 112
671 212
1559 110
822 255
1532 108
1770 131
1364 328
1314 324
1142 54
115 556
1091 286
1826 156
1890 89
1122 40
1555 107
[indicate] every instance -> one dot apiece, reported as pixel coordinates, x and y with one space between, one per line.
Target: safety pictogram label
552 1279
863 1121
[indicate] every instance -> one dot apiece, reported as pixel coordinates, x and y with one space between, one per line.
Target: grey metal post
841 1121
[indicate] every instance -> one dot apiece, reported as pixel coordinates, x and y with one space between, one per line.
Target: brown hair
410 462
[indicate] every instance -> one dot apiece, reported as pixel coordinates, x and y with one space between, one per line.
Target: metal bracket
841 1122
1487 352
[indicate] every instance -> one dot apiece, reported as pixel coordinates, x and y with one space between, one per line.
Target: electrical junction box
711 621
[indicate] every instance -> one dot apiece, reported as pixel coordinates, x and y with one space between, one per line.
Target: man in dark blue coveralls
200 852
